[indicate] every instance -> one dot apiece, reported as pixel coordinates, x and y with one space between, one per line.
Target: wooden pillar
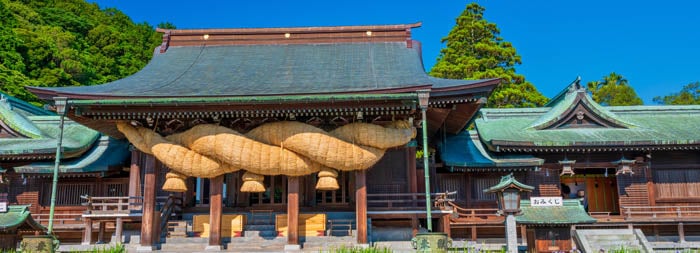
216 187
681 233
101 232
523 234
293 210
87 233
473 233
361 205
446 225
414 225
118 229
135 174
149 202
411 166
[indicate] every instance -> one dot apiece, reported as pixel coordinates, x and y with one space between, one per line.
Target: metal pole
60 109
426 169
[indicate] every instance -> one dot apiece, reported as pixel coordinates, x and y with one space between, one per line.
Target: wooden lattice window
68 194
676 183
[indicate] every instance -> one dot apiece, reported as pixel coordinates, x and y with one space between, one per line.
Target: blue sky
655 45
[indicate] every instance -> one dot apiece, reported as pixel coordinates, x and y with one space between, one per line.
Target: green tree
689 95
68 43
613 89
475 50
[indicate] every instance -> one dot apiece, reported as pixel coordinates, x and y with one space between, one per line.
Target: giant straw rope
280 148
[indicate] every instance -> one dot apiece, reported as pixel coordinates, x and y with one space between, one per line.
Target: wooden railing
460 214
407 200
72 218
647 212
113 205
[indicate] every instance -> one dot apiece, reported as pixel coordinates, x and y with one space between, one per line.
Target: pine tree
689 95
614 89
475 50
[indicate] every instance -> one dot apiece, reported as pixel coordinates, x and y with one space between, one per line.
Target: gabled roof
571 212
465 150
576 122
274 61
18 217
508 181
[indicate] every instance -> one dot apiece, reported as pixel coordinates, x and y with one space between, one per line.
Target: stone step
259 227
260 234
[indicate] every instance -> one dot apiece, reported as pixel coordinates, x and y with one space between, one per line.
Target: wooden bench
336 224
310 224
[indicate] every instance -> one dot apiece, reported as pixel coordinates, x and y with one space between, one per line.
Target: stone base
362 245
214 248
292 247
145 248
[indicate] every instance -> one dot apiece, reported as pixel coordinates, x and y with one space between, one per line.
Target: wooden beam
361 205
149 202
457 119
216 187
293 210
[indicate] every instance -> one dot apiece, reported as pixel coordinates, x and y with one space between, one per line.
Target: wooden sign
546 201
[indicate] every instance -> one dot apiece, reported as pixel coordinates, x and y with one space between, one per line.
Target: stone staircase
593 240
260 225
176 229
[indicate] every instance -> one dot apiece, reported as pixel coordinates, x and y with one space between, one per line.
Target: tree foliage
613 89
68 43
475 50
689 95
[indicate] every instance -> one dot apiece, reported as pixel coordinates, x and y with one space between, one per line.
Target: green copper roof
38 134
571 212
76 138
105 154
18 216
508 181
262 70
617 126
17 122
465 150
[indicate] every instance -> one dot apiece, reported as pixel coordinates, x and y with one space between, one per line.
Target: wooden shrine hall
301 124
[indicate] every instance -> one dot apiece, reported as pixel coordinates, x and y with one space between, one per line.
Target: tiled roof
622 126
261 70
571 212
465 150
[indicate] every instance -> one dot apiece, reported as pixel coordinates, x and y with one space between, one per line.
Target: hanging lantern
624 166
567 167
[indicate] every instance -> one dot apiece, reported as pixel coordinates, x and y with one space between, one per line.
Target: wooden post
149 202
473 233
681 232
118 229
101 231
361 205
414 224
216 187
293 211
523 234
446 225
135 174
87 233
411 162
